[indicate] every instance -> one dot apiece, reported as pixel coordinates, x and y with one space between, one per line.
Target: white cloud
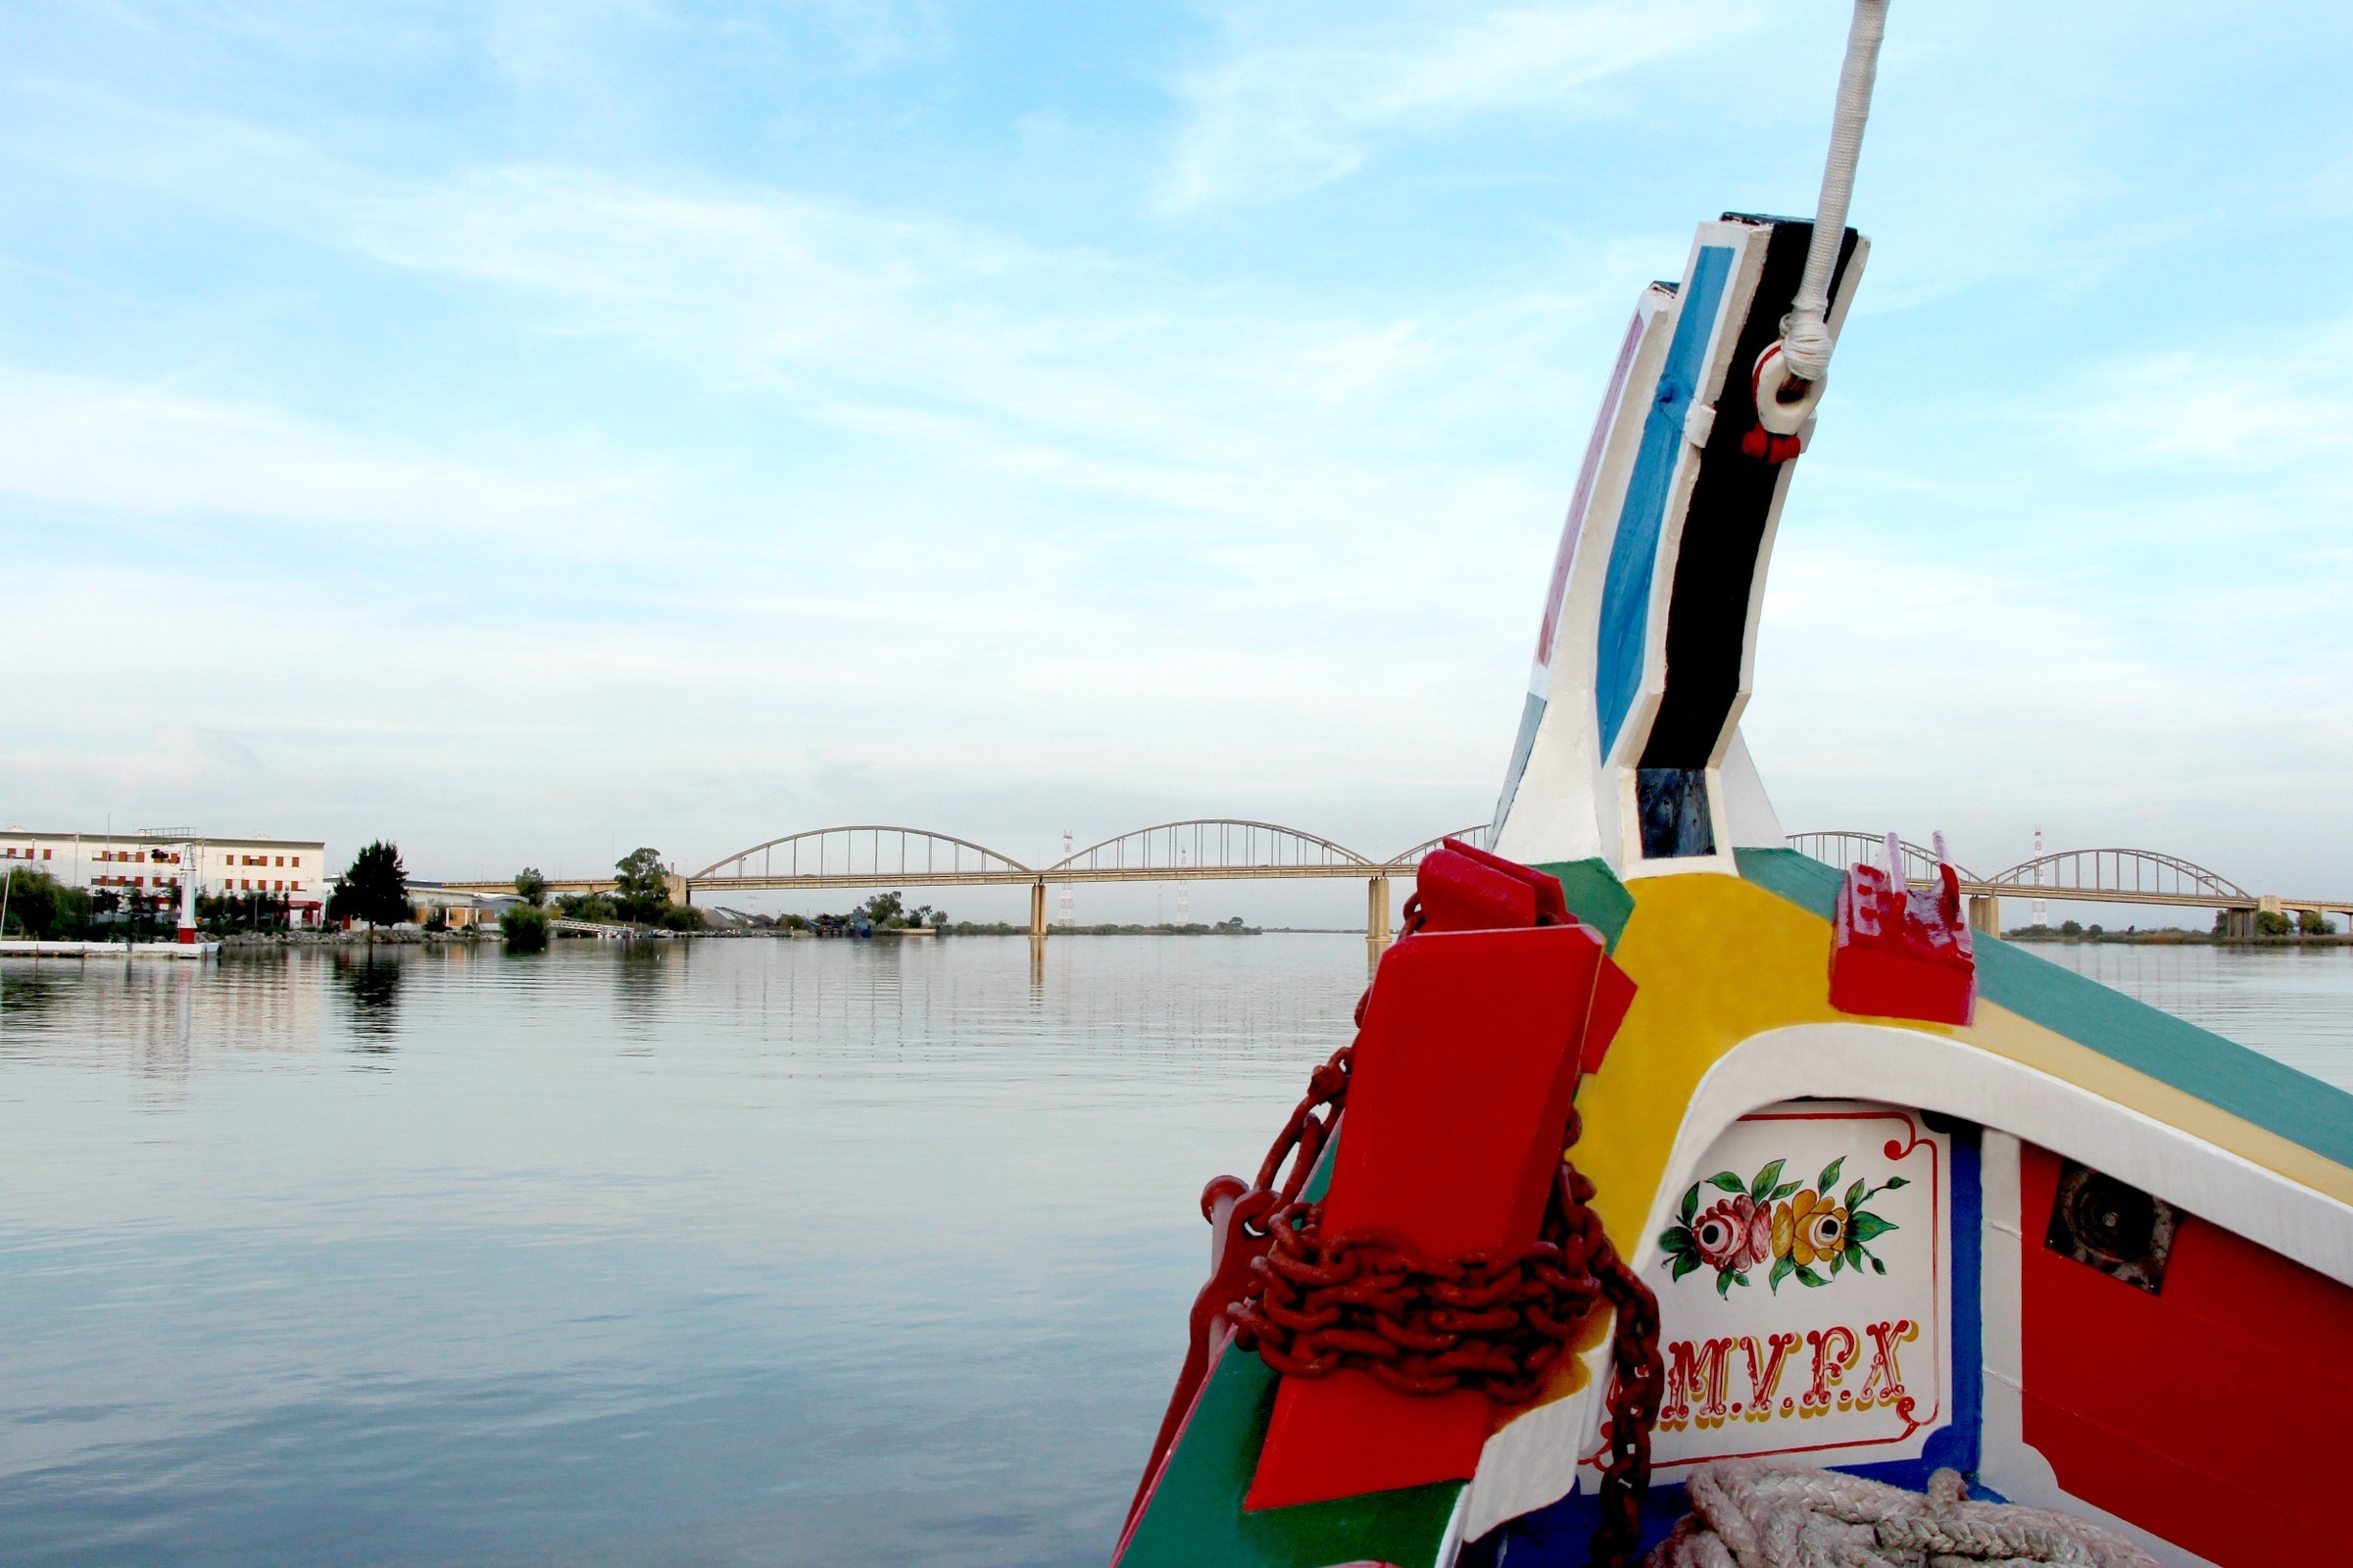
1279 118
156 453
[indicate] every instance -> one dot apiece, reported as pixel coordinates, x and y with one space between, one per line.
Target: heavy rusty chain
1369 1300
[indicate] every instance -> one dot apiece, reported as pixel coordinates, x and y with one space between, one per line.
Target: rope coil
1755 1513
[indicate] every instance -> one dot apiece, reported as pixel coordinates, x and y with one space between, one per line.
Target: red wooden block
1458 893
1897 954
1460 1092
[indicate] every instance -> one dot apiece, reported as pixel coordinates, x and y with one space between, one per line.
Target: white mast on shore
188 894
2039 914
1069 916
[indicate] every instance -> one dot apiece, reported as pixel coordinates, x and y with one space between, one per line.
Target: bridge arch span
2117 874
1843 846
1476 836
865 854
1211 847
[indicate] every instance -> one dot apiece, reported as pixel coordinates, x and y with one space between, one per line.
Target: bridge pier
1037 910
1986 913
1376 913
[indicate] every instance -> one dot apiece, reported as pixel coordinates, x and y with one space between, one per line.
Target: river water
693 1252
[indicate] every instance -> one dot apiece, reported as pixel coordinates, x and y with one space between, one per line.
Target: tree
376 889
525 927
2271 923
2313 924
531 886
641 888
38 906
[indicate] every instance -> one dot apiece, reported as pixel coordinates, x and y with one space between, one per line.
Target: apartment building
153 860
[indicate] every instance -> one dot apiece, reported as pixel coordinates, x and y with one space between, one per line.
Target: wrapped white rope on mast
1789 376
1806 335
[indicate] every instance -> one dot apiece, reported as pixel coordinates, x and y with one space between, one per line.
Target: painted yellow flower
1809 1227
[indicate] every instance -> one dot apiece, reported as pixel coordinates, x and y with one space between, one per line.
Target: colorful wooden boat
1909 1197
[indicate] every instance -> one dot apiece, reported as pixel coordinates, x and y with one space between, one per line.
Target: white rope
1805 336
1753 1513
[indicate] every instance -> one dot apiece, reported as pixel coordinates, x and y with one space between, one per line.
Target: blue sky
529 430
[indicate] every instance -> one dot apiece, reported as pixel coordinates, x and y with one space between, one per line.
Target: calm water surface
713 1254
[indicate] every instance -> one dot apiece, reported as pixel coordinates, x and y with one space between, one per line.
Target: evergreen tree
376 889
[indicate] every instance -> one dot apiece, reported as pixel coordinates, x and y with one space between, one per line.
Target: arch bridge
1197 850
2075 876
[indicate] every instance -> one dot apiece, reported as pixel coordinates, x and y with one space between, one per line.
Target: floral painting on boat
1811 1233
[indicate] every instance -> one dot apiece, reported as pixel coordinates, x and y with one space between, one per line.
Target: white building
151 861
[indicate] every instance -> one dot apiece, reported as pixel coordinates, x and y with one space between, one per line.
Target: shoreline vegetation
2177 937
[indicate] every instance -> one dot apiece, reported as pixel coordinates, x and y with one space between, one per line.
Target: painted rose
1734 1234
1791 1230
1808 1229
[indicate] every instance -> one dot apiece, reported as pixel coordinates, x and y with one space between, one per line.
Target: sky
531 430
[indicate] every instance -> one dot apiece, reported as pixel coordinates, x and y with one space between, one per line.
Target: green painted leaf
1765 1179
1837 1261
1781 1271
1684 1263
1868 1226
1893 1182
1724 1282
1678 1239
1854 1254
1855 1194
1810 1279
1739 1278
1690 1205
1781 1192
1829 1175
1877 1267
1728 1181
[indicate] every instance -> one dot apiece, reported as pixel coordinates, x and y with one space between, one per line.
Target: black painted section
1707 612
1673 805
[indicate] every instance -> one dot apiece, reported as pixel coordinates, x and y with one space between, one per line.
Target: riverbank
397 937
2173 938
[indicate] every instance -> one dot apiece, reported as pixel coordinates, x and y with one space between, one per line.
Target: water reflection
372 987
882 1259
643 978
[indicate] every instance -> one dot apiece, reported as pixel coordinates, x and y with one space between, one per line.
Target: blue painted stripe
1531 716
1634 553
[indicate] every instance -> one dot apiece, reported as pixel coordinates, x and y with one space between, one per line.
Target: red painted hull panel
2212 1415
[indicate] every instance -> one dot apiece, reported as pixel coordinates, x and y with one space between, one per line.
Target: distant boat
1902 1198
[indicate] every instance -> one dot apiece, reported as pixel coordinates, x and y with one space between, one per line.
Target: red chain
1367 1299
